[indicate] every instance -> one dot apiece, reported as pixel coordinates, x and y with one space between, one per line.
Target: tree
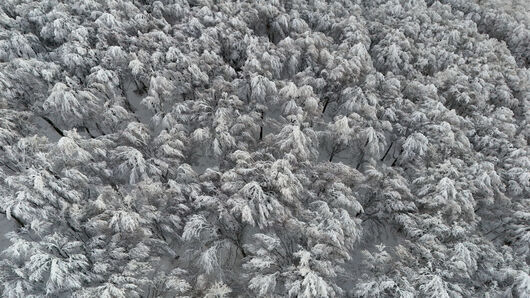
264 148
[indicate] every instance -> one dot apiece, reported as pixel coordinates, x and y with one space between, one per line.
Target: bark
60 132
388 150
16 218
261 127
325 105
88 132
360 161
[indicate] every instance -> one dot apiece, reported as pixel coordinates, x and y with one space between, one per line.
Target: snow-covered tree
199 148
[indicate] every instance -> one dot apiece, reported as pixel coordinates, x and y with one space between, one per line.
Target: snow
45 129
439 85
6 226
142 112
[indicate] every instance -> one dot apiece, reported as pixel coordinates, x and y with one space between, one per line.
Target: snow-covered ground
6 226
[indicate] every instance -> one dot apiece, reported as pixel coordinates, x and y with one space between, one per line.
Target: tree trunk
325 105
9 167
60 132
261 127
18 220
360 161
388 150
88 132
333 152
100 129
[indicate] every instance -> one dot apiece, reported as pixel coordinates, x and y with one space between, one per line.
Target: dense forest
264 148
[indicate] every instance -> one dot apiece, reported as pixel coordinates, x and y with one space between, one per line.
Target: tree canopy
279 148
